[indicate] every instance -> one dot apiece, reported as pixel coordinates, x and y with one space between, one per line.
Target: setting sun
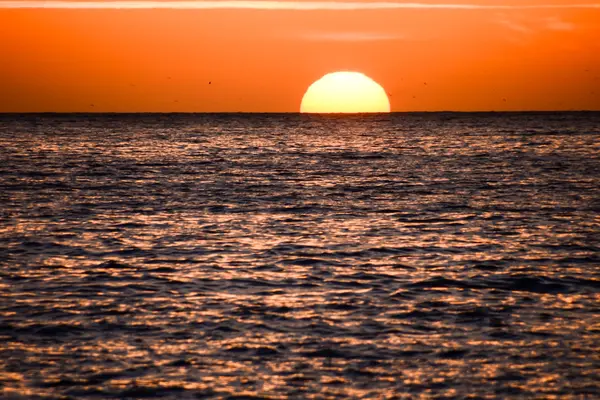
345 92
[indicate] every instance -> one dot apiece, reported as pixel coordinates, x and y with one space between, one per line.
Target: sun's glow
345 92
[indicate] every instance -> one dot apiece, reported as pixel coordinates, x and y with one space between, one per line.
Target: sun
345 92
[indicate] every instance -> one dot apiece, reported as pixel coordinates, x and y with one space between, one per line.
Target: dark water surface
290 256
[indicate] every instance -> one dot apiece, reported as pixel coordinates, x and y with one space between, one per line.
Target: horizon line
8 113
271 5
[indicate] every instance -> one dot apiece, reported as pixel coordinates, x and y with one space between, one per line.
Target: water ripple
293 256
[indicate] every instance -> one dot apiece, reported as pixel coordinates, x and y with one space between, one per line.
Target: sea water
278 256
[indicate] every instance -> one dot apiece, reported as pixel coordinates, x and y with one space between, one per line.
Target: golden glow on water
270 259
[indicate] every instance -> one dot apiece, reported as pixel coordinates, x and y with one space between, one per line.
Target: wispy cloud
514 25
557 24
273 5
531 26
351 36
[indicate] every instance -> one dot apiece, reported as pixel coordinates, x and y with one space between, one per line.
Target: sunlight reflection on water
422 255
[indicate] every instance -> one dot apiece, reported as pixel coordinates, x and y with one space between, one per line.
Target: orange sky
263 60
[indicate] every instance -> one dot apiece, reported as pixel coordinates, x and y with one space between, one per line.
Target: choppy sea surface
293 256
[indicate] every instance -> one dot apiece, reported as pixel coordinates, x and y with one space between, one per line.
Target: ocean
247 256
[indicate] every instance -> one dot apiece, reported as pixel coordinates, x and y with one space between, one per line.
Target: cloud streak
351 36
270 5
